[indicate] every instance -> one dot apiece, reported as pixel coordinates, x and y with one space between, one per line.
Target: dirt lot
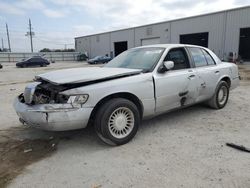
185 148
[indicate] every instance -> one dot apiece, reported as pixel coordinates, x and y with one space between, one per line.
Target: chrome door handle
191 76
183 93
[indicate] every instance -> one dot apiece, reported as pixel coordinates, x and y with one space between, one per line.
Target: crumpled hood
81 75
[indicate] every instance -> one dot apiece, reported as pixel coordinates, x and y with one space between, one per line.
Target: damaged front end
44 106
43 93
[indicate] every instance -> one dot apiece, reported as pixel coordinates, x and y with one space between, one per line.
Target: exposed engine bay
48 93
43 93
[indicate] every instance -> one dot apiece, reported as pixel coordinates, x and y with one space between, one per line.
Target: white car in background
139 83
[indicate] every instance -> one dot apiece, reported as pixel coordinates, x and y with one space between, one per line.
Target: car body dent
175 83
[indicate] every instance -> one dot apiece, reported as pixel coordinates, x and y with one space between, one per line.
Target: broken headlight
78 99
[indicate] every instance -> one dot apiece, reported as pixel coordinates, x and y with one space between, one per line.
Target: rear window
208 57
198 57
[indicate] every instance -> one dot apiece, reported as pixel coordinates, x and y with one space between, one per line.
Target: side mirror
167 65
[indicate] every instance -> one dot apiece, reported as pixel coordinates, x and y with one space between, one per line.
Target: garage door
150 41
200 39
244 49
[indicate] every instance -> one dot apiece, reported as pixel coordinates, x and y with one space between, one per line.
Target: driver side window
179 57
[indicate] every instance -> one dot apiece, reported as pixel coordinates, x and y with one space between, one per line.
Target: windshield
97 57
138 58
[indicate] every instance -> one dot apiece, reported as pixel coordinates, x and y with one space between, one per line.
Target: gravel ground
185 148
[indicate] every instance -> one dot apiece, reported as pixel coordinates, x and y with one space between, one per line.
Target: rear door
36 61
206 70
177 87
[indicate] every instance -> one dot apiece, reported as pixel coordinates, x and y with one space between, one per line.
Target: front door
176 87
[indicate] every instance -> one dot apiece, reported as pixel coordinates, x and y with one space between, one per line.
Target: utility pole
8 36
2 44
30 33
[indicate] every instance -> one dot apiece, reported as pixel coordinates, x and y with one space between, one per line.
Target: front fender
139 85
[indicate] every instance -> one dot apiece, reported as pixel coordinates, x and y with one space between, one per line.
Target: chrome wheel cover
222 95
121 122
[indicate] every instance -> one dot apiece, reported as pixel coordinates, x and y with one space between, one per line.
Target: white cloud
2 18
10 9
113 13
122 14
29 4
83 29
53 13
22 6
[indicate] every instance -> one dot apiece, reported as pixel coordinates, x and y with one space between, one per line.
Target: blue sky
57 22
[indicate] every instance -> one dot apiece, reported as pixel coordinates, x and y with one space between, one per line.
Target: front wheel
220 97
117 121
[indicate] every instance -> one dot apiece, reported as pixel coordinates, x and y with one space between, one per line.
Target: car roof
170 45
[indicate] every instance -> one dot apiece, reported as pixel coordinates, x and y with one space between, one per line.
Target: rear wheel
220 97
117 121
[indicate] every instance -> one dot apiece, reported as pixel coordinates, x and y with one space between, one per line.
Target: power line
2 44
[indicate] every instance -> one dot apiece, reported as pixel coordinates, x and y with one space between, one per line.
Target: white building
223 32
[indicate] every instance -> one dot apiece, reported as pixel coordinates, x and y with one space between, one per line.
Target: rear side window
198 57
179 57
208 57
35 60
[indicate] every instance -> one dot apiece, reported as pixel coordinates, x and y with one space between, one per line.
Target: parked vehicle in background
82 57
137 84
1 66
33 61
99 59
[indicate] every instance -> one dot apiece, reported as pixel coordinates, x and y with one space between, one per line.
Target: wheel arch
126 95
226 79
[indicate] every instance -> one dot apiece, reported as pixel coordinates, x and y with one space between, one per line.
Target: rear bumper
235 82
52 117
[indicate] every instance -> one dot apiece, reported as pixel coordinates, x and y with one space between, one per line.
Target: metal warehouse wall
158 31
223 28
123 35
213 24
99 45
236 19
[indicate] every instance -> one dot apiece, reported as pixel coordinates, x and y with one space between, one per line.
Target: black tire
103 116
215 101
